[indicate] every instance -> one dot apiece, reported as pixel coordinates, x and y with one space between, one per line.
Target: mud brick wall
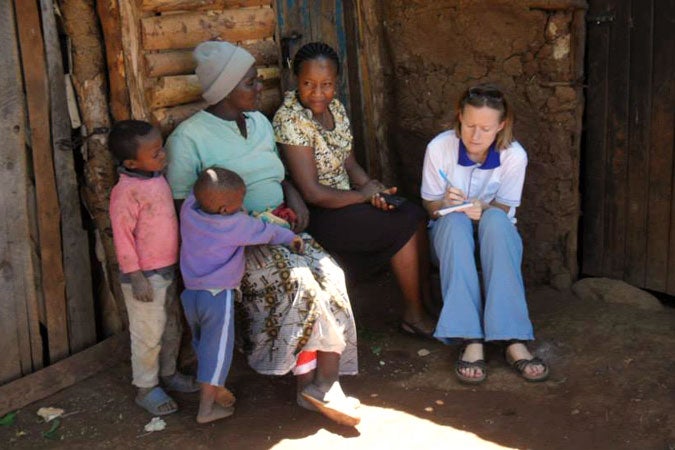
534 51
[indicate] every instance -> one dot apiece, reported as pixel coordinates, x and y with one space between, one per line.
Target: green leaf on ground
51 433
8 419
376 349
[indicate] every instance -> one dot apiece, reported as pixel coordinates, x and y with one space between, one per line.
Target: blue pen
445 177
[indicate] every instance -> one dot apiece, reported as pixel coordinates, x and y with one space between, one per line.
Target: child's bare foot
215 412
333 404
155 401
180 382
224 397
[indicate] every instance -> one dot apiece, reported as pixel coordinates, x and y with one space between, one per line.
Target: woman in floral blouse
349 216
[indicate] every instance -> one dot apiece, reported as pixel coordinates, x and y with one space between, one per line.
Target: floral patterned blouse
295 125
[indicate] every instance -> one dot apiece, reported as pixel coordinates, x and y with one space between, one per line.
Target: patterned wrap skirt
292 303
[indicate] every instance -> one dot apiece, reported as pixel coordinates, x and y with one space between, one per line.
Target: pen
445 177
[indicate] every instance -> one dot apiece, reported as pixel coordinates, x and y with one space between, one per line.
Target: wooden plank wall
158 37
46 280
629 179
16 331
49 226
75 242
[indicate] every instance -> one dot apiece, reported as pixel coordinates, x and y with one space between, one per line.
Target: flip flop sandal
522 364
341 412
413 330
180 382
478 364
352 402
153 400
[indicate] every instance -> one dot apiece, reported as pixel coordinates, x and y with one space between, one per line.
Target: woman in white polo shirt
479 168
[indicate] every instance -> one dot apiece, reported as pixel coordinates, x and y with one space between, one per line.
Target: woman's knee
454 230
453 225
494 221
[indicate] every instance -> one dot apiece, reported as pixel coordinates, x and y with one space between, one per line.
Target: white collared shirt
499 178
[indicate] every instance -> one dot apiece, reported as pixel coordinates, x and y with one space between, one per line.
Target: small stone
49 413
423 352
440 402
429 409
374 395
382 363
575 412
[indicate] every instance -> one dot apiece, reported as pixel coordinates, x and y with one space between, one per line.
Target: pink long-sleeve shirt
144 223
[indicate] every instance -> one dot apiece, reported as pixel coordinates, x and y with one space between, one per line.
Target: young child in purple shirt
214 232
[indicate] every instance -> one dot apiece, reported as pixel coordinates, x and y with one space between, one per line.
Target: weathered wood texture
89 78
661 258
64 373
191 5
372 57
629 184
177 90
37 100
79 293
174 31
181 62
20 343
157 47
133 59
109 13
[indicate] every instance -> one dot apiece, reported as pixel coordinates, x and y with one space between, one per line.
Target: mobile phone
393 200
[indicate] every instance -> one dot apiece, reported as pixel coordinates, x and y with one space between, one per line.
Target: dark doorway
628 155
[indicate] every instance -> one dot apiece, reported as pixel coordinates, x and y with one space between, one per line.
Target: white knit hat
220 67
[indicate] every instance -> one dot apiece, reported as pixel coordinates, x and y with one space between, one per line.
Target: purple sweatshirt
212 249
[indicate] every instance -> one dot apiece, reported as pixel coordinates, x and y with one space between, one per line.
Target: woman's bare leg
411 268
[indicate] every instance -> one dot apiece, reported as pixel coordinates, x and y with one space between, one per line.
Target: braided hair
315 50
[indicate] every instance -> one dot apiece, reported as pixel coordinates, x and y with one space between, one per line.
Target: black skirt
364 238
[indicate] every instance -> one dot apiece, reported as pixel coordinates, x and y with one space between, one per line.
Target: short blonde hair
491 96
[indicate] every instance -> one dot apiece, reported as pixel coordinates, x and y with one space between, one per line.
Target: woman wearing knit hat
295 312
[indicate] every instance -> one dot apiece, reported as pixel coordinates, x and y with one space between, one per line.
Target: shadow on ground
611 388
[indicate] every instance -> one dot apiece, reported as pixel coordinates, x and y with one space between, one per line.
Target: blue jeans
504 315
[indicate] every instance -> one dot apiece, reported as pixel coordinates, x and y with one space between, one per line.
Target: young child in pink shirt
145 233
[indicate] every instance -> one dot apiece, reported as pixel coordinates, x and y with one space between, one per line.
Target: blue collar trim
491 162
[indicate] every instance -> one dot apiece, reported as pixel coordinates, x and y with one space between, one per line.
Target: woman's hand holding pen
453 195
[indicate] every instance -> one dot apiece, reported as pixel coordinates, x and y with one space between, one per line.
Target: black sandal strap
478 364
522 364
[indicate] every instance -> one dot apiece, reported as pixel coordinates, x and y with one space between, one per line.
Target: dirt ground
611 388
